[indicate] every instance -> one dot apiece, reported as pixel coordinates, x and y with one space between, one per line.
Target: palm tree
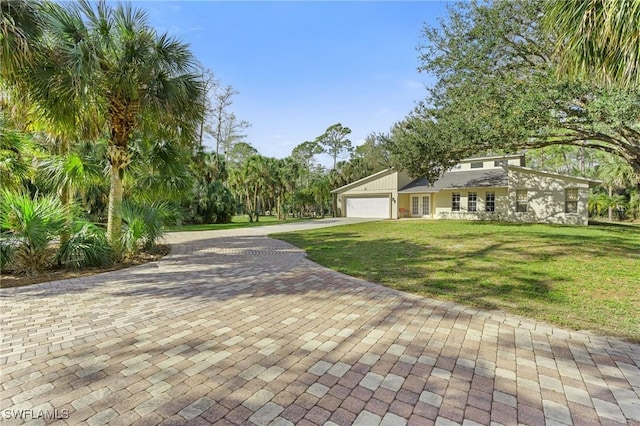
597 38
132 75
15 150
321 191
31 224
159 171
616 174
20 26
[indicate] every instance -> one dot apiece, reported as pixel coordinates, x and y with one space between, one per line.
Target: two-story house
495 187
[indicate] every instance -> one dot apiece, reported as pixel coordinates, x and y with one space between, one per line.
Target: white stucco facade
547 197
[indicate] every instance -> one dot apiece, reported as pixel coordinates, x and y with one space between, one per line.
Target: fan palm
15 148
144 224
131 74
159 171
31 224
20 25
616 174
597 38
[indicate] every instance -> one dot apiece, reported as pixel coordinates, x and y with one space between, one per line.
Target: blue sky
303 66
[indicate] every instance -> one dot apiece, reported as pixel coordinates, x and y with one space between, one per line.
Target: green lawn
585 278
236 222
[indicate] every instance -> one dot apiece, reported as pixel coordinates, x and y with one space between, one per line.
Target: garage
377 207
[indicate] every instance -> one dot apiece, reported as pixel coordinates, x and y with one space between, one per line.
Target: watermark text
31 414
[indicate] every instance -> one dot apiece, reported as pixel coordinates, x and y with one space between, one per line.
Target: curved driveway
236 328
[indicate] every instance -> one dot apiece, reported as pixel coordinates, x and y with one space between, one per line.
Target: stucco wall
546 198
442 204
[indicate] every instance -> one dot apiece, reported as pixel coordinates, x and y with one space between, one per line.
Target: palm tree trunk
610 206
114 221
334 205
257 204
279 207
65 195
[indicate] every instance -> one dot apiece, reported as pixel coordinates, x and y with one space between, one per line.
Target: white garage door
368 207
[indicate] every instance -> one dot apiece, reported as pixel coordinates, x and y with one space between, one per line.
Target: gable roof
591 182
369 178
464 179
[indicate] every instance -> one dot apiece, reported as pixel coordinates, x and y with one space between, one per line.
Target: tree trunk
334 205
257 204
65 195
248 207
114 220
610 206
279 207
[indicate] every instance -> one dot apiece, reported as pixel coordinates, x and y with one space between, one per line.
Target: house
495 187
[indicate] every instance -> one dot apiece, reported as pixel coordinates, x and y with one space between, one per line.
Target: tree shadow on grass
255 270
525 269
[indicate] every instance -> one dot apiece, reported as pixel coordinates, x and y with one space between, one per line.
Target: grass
236 222
583 278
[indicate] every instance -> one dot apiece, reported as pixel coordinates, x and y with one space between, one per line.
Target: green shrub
7 248
87 246
143 226
30 225
212 203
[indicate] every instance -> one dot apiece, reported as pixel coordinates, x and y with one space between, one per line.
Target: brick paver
234 327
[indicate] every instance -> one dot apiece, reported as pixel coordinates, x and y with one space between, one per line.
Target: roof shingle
466 179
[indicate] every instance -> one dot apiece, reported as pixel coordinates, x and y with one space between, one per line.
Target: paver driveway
237 328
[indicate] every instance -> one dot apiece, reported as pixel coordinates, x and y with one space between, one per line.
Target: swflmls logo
35 414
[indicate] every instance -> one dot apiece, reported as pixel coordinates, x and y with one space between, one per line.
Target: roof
365 180
466 179
591 182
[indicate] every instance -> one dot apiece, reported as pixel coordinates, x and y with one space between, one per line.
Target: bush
7 248
87 246
212 203
29 225
143 226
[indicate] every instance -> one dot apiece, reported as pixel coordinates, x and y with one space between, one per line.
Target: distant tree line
109 129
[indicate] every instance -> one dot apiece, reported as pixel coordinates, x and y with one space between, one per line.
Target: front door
426 205
415 206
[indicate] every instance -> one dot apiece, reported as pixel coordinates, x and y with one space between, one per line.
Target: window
414 206
477 165
425 206
455 202
522 200
498 163
490 201
571 200
472 201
